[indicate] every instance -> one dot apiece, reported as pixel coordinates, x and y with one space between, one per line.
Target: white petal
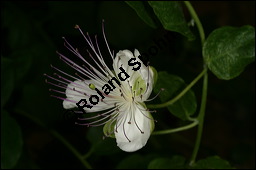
82 88
121 60
136 53
147 75
132 132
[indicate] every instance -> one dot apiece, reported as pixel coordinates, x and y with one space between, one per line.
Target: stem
85 156
162 105
71 148
196 19
59 137
162 132
201 120
204 90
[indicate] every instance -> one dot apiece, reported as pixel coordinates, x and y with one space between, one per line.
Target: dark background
31 33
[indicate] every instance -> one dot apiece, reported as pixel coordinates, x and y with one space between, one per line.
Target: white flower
114 96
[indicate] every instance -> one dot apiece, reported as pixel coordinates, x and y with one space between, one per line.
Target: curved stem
196 19
59 137
162 132
71 148
205 84
85 156
201 120
162 105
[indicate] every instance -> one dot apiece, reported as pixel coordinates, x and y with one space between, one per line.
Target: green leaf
26 161
213 162
171 16
142 12
11 141
22 63
176 162
12 71
7 80
135 161
99 143
173 85
19 32
228 50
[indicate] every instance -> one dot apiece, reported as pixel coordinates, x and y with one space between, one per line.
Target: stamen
103 31
55 79
130 121
61 98
81 78
162 89
125 133
110 125
122 95
63 72
57 85
98 115
141 111
136 123
140 93
89 42
104 122
70 48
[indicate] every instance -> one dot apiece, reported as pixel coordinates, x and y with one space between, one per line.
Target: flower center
131 93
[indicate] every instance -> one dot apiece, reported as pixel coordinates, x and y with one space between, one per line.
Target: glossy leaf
99 142
7 80
135 161
176 162
141 11
173 85
213 162
22 64
228 50
171 16
11 141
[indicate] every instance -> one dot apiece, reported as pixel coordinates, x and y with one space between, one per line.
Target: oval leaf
142 12
213 162
228 50
95 137
135 161
171 16
11 141
173 85
7 80
176 162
